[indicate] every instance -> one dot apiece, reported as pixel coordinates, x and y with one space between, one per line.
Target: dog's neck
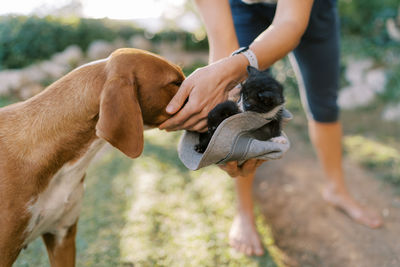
58 123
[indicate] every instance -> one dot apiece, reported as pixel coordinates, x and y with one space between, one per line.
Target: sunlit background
146 12
116 9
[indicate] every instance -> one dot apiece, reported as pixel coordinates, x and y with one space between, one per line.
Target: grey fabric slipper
236 138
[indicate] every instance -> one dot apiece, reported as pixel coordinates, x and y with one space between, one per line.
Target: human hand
249 167
204 89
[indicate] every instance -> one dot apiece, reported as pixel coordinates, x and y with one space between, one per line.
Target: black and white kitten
260 93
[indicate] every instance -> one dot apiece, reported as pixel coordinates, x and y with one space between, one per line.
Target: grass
381 158
152 211
4 101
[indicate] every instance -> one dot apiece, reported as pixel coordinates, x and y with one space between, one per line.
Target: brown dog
47 142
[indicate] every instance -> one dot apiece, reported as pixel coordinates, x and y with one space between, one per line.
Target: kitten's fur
260 93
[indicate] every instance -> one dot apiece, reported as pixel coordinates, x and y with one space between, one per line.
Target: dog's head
138 87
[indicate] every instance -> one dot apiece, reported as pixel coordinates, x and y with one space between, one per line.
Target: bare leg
327 140
243 235
61 252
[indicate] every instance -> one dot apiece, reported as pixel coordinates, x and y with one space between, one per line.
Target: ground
153 212
313 233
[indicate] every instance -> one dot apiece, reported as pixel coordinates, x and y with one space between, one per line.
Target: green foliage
25 40
190 43
392 91
367 18
379 157
154 212
364 31
4 101
28 39
187 70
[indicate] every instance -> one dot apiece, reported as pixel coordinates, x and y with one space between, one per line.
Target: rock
71 56
99 49
52 69
10 79
365 83
355 96
102 49
138 41
30 90
376 80
355 70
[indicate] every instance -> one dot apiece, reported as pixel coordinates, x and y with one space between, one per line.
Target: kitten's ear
251 70
267 71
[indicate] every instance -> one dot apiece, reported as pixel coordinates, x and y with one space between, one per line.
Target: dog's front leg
61 252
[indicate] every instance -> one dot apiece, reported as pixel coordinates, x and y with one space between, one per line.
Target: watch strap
251 57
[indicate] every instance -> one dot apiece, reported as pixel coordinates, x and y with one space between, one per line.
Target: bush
25 40
367 18
189 41
28 39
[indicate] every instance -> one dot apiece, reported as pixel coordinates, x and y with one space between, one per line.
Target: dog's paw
279 140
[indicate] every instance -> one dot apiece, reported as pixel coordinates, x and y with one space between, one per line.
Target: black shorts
315 59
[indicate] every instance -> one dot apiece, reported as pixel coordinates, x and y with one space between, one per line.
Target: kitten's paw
199 148
279 140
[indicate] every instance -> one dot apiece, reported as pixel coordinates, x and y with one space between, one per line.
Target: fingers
180 97
250 166
199 126
177 121
192 117
193 114
259 162
247 168
231 168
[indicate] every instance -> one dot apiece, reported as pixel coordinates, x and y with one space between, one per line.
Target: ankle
245 213
336 189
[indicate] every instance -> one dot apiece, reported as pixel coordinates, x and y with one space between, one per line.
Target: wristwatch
251 57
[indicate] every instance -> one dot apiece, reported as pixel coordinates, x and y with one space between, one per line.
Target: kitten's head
261 92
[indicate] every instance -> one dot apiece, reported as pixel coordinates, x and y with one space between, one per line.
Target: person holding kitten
269 30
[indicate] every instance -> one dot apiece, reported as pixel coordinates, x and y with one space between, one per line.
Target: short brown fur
111 99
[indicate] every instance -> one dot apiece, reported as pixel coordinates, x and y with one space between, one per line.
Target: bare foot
349 205
244 237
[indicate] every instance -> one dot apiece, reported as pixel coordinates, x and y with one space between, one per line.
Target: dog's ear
120 119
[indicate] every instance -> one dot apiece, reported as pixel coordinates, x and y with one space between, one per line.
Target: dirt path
313 233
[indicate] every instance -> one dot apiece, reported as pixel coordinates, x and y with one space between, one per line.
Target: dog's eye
177 83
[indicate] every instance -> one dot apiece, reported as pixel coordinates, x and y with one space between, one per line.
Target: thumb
179 99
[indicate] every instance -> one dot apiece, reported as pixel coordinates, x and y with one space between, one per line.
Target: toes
235 244
248 251
243 248
376 224
371 220
257 247
259 251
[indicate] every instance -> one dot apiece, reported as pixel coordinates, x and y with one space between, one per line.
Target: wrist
236 68
249 54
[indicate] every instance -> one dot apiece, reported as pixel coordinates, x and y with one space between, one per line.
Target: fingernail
169 109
